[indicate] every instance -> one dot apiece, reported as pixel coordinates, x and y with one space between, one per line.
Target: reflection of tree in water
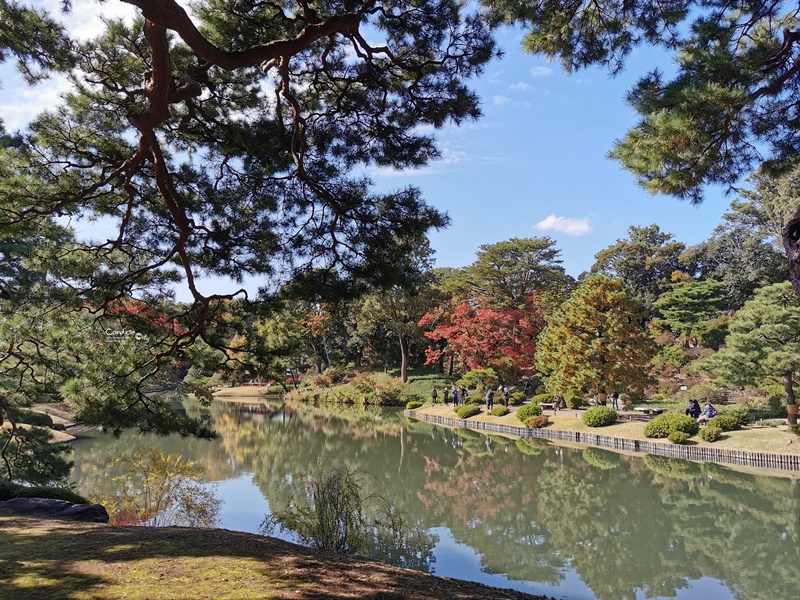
612 526
647 524
642 525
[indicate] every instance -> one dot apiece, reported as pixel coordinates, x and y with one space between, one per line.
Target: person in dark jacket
693 410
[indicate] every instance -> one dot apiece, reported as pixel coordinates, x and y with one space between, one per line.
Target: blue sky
534 165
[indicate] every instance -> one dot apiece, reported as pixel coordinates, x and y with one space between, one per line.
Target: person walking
506 394
434 395
615 400
490 399
455 396
446 394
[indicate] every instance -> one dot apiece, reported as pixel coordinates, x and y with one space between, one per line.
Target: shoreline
785 463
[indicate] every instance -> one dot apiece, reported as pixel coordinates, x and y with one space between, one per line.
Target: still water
573 523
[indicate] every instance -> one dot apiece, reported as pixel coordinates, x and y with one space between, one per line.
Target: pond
569 522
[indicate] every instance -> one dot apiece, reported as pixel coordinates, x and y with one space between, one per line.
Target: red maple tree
480 336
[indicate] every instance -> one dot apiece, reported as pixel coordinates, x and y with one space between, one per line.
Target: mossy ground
49 559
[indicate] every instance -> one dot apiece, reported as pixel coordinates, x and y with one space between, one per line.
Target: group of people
458 395
501 391
702 415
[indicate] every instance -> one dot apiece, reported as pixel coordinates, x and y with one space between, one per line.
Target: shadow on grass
45 559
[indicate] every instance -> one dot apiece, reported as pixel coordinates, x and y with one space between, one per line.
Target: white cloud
540 71
518 87
500 100
566 225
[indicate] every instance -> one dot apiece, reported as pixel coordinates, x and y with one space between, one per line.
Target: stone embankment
786 462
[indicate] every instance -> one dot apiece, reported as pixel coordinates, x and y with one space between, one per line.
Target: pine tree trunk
403 359
791 243
791 401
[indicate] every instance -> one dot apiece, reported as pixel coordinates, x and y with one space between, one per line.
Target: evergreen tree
763 344
644 262
225 142
596 341
730 105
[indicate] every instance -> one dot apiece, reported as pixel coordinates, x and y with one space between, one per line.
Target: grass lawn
46 559
773 440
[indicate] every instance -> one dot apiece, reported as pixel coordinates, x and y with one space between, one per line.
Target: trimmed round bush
413 404
666 423
538 422
529 410
678 437
599 416
467 411
710 434
516 399
499 411
539 398
59 427
573 400
724 422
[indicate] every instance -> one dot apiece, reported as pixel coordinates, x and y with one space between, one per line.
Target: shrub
704 392
724 422
516 399
741 414
628 399
413 404
59 427
529 410
678 437
599 416
573 400
467 411
666 423
499 411
795 429
538 422
31 417
710 433
539 398
388 392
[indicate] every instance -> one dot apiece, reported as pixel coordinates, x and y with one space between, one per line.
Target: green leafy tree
597 341
763 344
690 303
397 309
511 271
644 261
730 105
745 251
224 142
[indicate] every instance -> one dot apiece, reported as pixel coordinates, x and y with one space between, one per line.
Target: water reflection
580 522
